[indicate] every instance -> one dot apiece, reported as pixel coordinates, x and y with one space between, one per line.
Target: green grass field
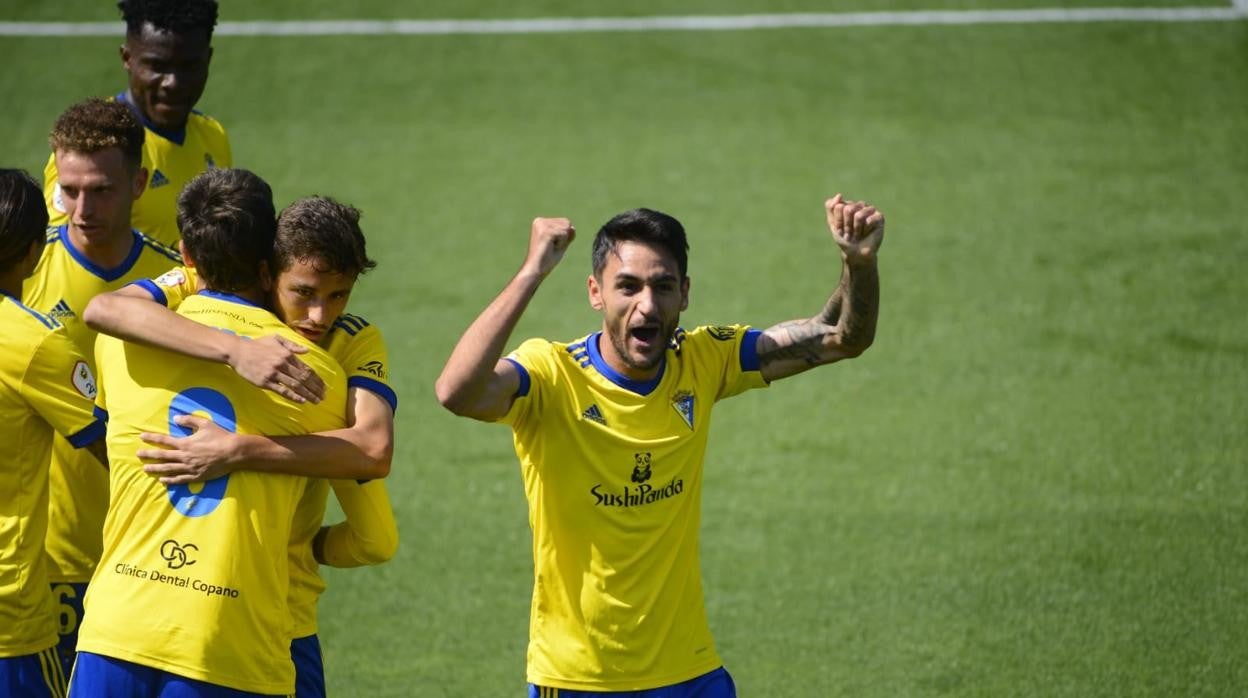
1036 482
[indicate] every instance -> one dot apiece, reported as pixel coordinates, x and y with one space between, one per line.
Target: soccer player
46 386
319 253
166 55
192 589
611 430
97 146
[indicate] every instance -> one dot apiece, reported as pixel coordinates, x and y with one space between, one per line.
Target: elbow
452 398
378 465
380 550
95 313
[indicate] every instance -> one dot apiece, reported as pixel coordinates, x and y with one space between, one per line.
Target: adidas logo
209 162
594 414
158 179
61 311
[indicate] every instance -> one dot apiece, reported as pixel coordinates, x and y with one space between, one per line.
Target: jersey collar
178 136
106 274
229 298
600 364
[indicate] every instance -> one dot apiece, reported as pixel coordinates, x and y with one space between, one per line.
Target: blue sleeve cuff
89 434
382 390
749 350
156 292
524 378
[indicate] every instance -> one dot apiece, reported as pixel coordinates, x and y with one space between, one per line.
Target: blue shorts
36 675
97 676
305 652
716 684
69 596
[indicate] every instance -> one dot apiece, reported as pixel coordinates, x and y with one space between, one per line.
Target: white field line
568 25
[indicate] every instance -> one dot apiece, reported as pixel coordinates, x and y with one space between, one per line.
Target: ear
140 182
684 294
595 293
266 281
124 52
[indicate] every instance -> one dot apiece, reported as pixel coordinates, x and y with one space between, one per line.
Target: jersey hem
107 650
622 684
14 651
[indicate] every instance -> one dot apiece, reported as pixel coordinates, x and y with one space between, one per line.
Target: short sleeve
60 385
534 360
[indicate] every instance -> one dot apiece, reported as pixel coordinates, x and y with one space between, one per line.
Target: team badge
84 380
683 402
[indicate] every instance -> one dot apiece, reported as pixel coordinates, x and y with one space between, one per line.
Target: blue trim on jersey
100 413
749 350
599 363
524 377
382 390
106 274
178 137
88 434
157 293
351 324
229 297
49 322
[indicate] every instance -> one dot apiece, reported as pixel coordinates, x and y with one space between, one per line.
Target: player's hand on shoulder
271 362
548 240
857 227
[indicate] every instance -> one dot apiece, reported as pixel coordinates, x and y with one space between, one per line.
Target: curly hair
177 16
324 231
98 124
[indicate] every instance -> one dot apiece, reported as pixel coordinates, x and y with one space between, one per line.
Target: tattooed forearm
797 339
857 326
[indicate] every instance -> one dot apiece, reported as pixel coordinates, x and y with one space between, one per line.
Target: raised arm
130 313
475 381
361 451
846 325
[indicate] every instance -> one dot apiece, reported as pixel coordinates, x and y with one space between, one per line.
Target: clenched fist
857 227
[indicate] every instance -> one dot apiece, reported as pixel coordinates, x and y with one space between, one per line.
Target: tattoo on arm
797 339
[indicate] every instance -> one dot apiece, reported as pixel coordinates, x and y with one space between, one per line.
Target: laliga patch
84 380
58 199
171 279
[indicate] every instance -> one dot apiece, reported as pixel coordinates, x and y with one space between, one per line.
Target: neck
253 295
11 283
104 253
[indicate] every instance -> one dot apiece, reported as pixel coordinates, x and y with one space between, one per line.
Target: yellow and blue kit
63 282
194 579
171 158
612 471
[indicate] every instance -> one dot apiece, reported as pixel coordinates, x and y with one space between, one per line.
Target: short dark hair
23 216
177 16
228 224
98 124
321 229
645 226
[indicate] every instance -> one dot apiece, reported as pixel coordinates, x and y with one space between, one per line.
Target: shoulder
354 326
151 246
26 323
205 124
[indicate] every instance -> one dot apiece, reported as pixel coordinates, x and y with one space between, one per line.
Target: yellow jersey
194 579
612 471
46 386
63 282
171 158
360 350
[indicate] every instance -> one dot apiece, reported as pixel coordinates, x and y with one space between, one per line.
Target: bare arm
361 451
475 381
846 326
130 313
